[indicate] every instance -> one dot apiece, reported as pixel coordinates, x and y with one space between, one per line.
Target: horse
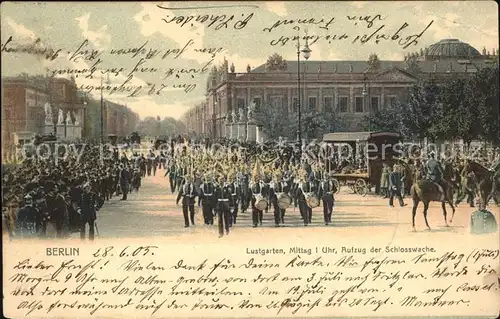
427 191
482 180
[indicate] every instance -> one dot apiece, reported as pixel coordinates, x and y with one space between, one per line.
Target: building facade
118 119
37 105
350 90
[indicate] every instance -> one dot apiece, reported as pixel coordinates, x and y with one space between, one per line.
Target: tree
387 120
274 121
152 126
276 63
451 121
419 110
373 62
485 87
411 64
315 125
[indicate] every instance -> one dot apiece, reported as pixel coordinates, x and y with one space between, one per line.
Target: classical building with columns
38 105
351 90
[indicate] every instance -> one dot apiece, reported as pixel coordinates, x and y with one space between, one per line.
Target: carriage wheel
352 187
361 187
337 185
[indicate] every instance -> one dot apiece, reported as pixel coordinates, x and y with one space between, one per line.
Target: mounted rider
435 172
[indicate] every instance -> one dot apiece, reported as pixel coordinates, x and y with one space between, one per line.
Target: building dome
452 48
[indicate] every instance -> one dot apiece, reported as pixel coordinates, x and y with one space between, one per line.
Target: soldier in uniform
326 191
435 172
235 191
243 180
171 172
188 194
257 188
149 162
224 199
88 207
277 186
180 172
206 199
304 187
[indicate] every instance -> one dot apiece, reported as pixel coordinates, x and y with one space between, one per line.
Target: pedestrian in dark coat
124 181
395 186
89 204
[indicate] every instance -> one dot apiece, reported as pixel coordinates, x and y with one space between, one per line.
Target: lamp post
306 52
365 93
102 111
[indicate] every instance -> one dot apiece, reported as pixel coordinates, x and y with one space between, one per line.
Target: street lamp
365 93
102 111
306 52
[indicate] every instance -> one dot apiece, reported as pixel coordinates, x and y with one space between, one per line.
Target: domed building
451 49
350 90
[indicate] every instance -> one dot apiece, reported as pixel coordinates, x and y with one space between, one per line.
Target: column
382 97
233 100
289 101
335 99
351 99
320 102
249 99
264 102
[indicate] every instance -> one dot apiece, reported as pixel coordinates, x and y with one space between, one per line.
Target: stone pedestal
260 136
48 129
234 131
60 131
251 132
242 134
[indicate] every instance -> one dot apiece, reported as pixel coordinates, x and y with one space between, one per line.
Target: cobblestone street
153 212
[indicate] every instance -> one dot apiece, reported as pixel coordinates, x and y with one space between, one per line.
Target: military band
225 186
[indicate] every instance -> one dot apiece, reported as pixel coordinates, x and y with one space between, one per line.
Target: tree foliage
273 120
152 126
466 109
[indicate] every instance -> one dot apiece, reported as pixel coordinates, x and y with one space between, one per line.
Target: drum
284 201
311 200
260 202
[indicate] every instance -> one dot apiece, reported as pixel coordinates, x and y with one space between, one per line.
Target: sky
107 26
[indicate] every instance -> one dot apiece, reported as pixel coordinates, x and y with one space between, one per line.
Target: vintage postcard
275 159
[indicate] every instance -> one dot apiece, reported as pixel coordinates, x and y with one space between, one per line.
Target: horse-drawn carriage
370 149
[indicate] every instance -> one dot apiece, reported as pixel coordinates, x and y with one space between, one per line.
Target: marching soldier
277 187
235 195
171 172
326 191
149 162
302 190
224 201
180 172
206 198
259 191
187 193
243 180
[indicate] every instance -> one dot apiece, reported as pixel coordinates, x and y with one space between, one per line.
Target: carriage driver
435 172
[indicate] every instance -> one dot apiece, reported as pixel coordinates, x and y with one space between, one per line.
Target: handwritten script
144 68
153 280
